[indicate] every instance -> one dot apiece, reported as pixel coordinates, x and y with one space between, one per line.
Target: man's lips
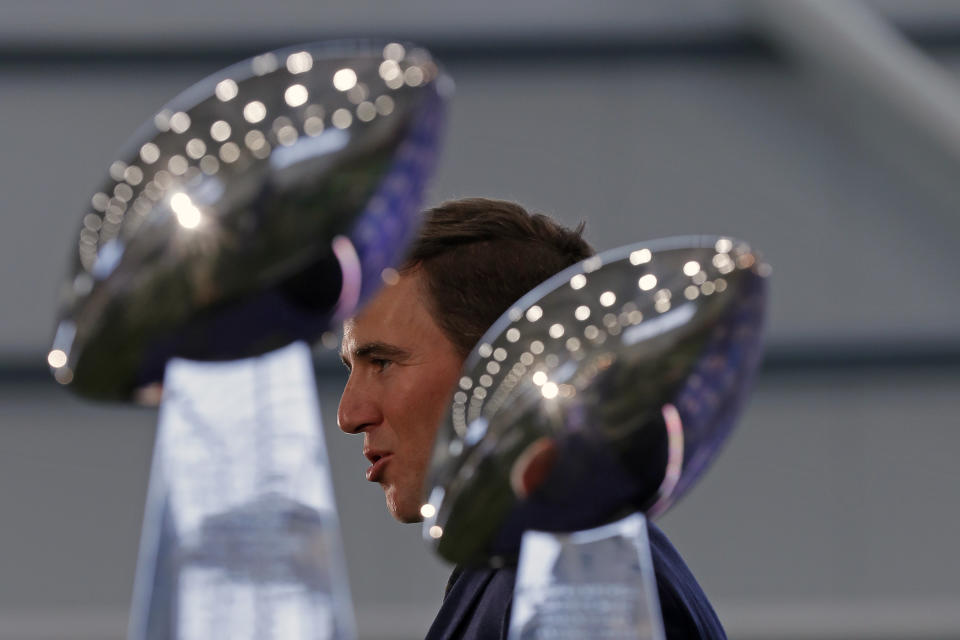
375 471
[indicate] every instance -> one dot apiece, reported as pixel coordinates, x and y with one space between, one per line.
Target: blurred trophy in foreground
255 210
604 392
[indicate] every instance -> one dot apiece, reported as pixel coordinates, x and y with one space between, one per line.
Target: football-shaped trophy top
607 389
252 210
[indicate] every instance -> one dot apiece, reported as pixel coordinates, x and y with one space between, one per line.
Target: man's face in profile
402 373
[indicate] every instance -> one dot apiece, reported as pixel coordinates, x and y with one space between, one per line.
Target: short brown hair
479 256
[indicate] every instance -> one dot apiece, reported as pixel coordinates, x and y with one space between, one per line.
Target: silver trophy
597 583
251 213
605 391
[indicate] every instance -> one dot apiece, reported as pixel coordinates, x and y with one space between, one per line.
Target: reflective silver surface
251 211
241 538
607 389
596 583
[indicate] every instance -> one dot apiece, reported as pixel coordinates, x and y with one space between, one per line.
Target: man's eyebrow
375 350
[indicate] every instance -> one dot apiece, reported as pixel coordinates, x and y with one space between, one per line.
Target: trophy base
595 583
240 536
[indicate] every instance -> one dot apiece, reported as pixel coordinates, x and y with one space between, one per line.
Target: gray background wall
832 513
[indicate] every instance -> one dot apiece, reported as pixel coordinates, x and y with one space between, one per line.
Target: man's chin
408 519
405 513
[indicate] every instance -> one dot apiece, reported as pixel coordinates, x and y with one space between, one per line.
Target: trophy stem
241 536
594 583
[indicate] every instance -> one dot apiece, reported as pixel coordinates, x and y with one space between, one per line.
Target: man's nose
358 408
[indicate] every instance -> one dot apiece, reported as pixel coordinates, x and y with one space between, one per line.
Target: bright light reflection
366 111
162 120
188 215
179 122
286 135
436 531
149 153
116 170
254 139
295 95
226 90
724 245
92 221
607 298
413 76
428 510
299 62
229 152
358 93
266 63
721 260
177 164
395 83
100 201
384 105
691 268
389 70
254 111
582 312
647 282
345 79
556 330
196 148
539 378
220 130
745 261
133 175
341 118
209 165
640 256
513 335
534 313
578 281
56 358
313 126
394 51
550 390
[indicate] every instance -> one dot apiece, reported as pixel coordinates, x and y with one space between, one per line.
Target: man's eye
380 363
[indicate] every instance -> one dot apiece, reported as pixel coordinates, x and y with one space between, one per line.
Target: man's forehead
349 335
392 314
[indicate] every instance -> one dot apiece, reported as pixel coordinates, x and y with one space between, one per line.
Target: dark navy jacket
477 603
